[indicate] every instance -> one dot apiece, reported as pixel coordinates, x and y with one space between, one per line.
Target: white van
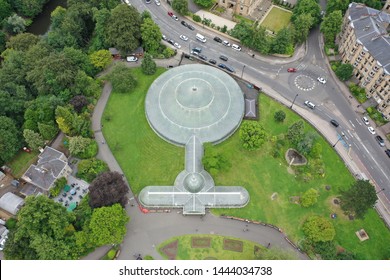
201 38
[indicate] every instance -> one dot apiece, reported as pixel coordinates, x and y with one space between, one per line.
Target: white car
371 130
175 17
310 104
157 2
226 43
177 45
183 37
164 37
131 59
236 47
321 80
365 120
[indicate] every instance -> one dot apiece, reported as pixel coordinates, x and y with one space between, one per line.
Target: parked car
292 70
365 120
334 123
236 47
164 37
184 37
222 57
321 80
148 1
170 41
371 129
157 2
131 59
177 45
230 69
226 43
184 23
221 65
170 13
212 61
217 39
197 49
380 140
387 151
190 27
201 56
310 104
175 17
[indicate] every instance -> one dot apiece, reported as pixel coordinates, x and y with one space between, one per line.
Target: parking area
71 196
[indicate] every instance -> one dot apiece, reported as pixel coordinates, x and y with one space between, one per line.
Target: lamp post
242 73
338 140
380 191
294 100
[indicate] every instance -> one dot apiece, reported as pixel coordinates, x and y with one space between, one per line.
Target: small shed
250 109
139 52
11 203
114 53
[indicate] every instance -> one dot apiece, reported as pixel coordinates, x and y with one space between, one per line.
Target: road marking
351 123
357 120
350 133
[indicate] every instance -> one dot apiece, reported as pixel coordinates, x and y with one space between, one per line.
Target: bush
168 52
317 228
91 150
196 18
122 80
252 135
89 169
11 223
344 71
58 187
309 198
358 92
111 254
147 257
279 116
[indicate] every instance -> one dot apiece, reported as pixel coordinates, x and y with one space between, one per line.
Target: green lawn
146 159
21 162
277 19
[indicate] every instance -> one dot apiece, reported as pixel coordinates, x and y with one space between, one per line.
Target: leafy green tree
151 36
214 162
302 26
82 125
252 135
22 42
43 232
310 7
108 225
5 9
358 199
64 119
326 249
344 71
13 99
148 65
101 59
331 26
48 131
122 80
29 8
336 5
33 139
10 139
3 40
283 42
204 3
296 132
123 28
101 18
89 169
107 189
279 116
244 32
309 198
180 6
317 228
59 185
14 24
305 145
82 147
260 40
145 14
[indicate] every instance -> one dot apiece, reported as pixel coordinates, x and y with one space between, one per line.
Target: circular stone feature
304 82
193 182
194 100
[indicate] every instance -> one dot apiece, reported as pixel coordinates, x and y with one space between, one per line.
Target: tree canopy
344 71
89 169
151 36
148 65
180 6
122 80
252 135
331 25
317 228
10 139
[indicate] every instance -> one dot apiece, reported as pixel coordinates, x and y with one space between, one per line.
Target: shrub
309 198
252 135
196 18
168 52
148 65
317 228
11 223
279 116
111 254
58 186
89 169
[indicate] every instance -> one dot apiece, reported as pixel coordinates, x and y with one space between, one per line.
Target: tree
295 132
151 36
331 26
244 32
101 18
310 7
180 6
302 26
360 197
29 8
252 135
260 40
33 139
122 80
82 147
204 3
214 162
22 42
279 116
335 5
5 9
148 65
2 41
108 225
317 228
305 144
344 71
10 139
107 189
64 119
123 28
40 232
283 42
309 198
101 59
89 169
79 102
14 24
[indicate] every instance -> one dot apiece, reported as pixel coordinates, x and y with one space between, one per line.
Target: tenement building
365 43
242 7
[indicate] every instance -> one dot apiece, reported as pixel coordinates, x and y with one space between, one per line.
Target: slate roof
370 27
250 108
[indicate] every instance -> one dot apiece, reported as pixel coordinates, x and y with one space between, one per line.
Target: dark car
170 14
217 39
224 58
230 69
334 123
184 23
191 27
380 140
201 56
387 151
170 41
223 66
212 61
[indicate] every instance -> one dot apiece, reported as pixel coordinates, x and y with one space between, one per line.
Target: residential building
51 166
364 42
242 7
386 6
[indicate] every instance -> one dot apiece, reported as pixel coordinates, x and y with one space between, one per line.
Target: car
128 2
221 65
170 41
217 39
184 23
164 37
191 27
365 120
131 59
230 69
371 129
226 43
148 1
195 53
212 61
321 80
175 17
292 70
334 123
236 47
183 37
197 49
170 13
177 45
380 140
310 104
387 151
222 57
201 56
157 2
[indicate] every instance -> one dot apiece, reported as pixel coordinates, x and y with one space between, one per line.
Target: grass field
146 160
276 19
22 162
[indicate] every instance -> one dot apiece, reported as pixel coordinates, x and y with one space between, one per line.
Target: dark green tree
22 42
148 65
344 71
100 18
283 42
151 36
305 145
29 8
302 26
260 40
5 10
204 3
252 135
10 139
244 32
331 26
279 116
358 199
310 7
213 161
3 40
180 6
295 132
336 5
122 80
47 130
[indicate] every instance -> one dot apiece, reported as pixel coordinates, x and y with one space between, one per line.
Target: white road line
350 133
357 120
351 123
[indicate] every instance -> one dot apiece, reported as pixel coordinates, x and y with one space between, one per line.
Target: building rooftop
11 203
370 27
